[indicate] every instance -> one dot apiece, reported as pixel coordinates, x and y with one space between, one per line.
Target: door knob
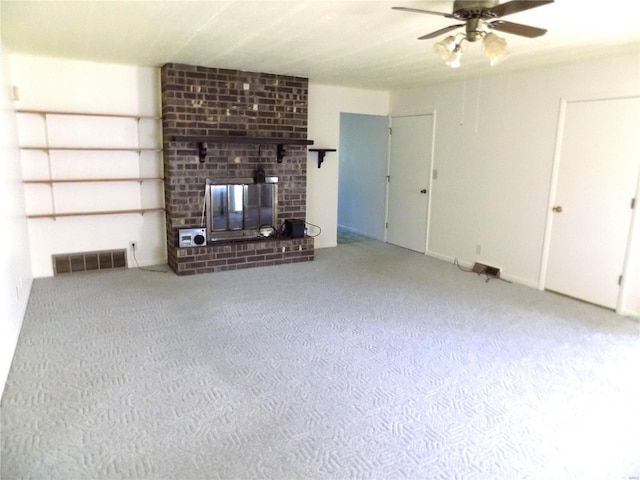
424 190
557 209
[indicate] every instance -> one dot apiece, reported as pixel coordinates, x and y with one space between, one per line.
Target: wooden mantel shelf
201 143
244 140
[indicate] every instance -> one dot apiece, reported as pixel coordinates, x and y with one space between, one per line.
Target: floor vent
489 271
89 261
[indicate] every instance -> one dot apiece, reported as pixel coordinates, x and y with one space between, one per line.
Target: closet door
599 160
409 174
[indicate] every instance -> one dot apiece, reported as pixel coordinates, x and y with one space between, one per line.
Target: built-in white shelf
95 137
98 180
92 149
102 212
86 114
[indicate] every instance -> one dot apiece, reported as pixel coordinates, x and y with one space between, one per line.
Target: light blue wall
364 146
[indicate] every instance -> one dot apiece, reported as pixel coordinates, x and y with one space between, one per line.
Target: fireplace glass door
238 210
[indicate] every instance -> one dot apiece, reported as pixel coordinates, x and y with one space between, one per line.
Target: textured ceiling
351 42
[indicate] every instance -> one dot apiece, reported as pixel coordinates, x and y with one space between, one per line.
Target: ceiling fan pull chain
476 126
464 98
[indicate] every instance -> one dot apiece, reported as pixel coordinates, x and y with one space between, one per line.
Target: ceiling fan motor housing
467 9
479 15
474 32
474 12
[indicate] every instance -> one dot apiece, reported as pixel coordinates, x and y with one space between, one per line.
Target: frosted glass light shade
454 58
444 47
494 46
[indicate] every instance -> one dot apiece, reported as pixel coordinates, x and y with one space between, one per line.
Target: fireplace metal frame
243 228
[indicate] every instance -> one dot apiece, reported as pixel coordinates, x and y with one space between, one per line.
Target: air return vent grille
488 270
89 261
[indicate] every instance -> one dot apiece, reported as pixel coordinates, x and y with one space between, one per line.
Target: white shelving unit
72 150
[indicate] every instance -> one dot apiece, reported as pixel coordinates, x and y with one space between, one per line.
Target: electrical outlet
133 245
478 249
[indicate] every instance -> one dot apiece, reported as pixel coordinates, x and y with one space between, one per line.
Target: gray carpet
371 362
347 236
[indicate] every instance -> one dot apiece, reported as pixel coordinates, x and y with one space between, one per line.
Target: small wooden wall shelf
321 153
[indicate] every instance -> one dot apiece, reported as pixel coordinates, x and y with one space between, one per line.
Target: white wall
69 85
494 148
631 291
15 269
53 84
325 105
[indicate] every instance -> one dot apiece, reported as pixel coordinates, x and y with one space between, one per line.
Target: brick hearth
211 102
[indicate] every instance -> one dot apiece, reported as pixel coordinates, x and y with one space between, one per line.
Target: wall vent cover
89 261
489 271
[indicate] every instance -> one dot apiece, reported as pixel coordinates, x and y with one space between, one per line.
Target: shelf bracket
321 153
280 152
202 151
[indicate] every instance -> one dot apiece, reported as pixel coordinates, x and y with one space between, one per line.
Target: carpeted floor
348 236
370 362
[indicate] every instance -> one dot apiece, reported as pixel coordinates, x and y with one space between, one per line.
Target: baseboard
8 350
348 229
358 232
445 258
325 245
505 276
630 313
147 263
519 280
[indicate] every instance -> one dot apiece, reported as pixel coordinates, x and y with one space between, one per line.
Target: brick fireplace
223 124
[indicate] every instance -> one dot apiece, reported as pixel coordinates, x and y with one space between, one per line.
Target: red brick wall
200 101
246 254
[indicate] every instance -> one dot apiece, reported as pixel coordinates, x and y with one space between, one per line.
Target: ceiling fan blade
418 10
516 29
442 31
516 6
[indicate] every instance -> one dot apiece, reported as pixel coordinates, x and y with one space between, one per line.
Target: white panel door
409 174
598 171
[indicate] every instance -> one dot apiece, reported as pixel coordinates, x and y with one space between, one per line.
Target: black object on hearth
293 228
259 175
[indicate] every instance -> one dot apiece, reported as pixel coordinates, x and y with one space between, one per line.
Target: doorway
364 150
595 175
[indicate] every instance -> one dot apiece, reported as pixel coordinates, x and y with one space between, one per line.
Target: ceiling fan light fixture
453 60
498 60
478 15
494 46
445 47
450 51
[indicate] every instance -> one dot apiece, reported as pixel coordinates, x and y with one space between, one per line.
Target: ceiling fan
476 15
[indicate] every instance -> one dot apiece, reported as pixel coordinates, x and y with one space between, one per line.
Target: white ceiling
350 42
